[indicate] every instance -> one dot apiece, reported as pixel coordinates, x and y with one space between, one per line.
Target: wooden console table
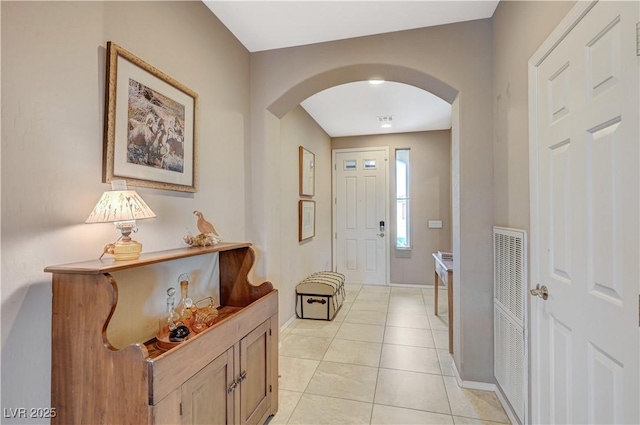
227 374
444 273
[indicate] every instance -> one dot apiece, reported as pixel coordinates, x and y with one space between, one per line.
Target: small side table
444 273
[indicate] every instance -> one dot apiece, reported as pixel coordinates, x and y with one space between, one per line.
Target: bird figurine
204 226
208 235
202 240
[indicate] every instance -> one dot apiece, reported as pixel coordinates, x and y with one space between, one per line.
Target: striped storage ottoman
320 296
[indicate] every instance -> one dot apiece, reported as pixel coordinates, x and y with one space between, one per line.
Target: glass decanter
171 319
185 306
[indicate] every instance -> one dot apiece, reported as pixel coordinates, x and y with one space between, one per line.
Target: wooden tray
163 342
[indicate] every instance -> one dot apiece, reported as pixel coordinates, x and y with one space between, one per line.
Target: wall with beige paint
519 27
300 259
430 186
451 61
53 69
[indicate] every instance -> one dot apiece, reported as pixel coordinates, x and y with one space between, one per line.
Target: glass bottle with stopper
171 319
185 306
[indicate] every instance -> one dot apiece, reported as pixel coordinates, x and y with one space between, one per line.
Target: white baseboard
285 326
288 323
507 407
412 285
473 385
485 386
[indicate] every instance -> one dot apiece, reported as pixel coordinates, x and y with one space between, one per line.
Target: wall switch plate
435 224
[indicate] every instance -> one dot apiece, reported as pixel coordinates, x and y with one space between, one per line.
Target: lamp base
124 250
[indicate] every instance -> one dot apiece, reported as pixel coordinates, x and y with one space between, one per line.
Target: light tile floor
384 359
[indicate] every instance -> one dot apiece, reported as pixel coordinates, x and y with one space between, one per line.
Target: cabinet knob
232 387
242 376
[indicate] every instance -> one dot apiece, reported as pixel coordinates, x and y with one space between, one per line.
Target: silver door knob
540 291
381 234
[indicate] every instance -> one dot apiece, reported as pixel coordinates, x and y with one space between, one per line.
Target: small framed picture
306 219
307 172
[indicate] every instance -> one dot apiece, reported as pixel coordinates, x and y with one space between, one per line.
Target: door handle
380 234
540 291
315 300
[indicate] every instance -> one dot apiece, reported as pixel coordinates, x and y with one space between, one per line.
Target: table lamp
122 208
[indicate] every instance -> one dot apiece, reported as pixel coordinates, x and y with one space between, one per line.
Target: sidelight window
402 199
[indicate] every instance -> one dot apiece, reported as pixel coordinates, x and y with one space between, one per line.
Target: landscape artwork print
155 131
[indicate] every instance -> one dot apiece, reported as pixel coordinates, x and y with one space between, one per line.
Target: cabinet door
255 373
167 411
204 396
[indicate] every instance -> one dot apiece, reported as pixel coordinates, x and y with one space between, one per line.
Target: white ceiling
352 109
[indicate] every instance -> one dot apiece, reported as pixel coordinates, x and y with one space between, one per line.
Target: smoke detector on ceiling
385 121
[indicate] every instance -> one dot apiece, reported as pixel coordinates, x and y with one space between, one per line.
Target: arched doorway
279 84
274 261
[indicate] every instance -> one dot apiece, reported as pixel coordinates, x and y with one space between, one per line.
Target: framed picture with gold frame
306 219
307 172
151 132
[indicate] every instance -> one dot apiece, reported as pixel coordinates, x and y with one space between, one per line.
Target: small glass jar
205 314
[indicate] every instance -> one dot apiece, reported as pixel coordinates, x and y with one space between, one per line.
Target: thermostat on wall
435 224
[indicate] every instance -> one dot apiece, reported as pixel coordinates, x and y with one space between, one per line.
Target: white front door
360 214
585 219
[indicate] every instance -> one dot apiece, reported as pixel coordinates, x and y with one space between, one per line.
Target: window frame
406 199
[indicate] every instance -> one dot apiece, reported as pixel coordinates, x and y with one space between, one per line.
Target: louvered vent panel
509 271
509 359
509 249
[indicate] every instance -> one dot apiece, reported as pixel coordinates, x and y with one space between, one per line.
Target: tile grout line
375 388
312 375
441 364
